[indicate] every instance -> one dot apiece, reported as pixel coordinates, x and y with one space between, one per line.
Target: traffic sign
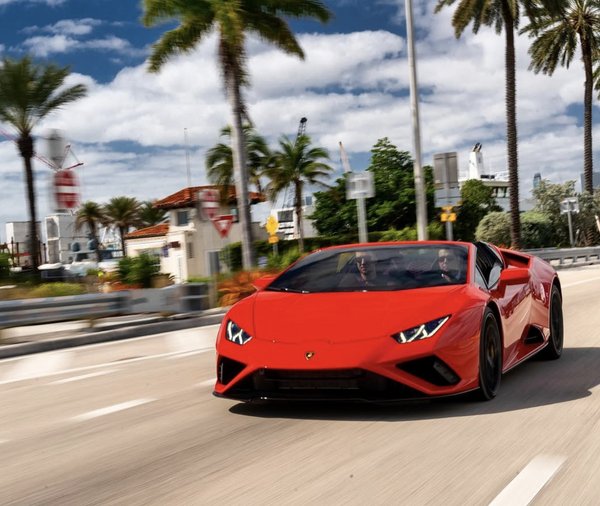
570 205
272 225
223 224
446 170
273 239
449 208
65 189
210 203
359 185
448 217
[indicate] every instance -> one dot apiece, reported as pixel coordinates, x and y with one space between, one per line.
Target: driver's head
448 260
366 262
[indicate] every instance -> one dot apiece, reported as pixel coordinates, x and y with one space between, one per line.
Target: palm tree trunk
239 166
93 233
299 216
122 232
26 149
511 126
588 158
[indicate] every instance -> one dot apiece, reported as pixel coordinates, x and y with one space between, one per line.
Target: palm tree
29 93
296 165
219 159
123 213
232 20
150 216
556 39
502 14
90 215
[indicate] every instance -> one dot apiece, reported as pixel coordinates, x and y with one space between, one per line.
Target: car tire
554 348
490 357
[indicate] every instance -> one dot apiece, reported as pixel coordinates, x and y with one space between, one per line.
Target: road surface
135 423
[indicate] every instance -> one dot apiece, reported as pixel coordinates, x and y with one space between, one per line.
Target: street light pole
414 103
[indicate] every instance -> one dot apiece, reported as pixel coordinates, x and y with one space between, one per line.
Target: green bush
536 230
281 262
93 272
48 290
435 231
139 270
4 265
197 279
494 228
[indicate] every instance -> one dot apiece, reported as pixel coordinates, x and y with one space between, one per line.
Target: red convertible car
390 321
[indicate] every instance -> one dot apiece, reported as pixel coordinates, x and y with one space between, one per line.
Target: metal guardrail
187 298
577 256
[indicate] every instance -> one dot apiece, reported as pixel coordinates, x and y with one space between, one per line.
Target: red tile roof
155 231
188 197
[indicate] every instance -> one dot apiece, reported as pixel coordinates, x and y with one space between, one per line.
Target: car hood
346 317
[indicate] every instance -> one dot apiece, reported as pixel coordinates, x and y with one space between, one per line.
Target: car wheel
490 357
554 348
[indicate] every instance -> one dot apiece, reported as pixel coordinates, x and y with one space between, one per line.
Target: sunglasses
447 258
366 261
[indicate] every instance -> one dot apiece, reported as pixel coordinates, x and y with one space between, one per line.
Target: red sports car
390 321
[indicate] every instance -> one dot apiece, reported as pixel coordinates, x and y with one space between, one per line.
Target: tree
123 213
477 201
28 94
548 198
556 41
502 14
394 203
219 159
150 216
90 215
232 20
296 164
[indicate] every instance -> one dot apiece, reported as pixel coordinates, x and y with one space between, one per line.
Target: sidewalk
19 341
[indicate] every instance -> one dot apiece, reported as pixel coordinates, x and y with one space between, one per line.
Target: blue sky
353 87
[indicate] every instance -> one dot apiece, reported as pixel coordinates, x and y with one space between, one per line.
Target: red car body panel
352 331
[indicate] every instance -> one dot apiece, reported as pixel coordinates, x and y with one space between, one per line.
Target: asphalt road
135 423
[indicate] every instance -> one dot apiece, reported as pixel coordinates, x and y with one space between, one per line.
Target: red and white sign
223 224
210 203
65 189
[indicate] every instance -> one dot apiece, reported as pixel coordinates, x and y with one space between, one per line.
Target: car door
514 300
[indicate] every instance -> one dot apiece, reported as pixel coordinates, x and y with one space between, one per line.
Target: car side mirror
518 276
263 282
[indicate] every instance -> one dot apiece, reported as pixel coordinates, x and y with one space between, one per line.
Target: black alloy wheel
490 357
554 348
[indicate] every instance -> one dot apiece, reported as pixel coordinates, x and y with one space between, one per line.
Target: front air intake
228 369
431 369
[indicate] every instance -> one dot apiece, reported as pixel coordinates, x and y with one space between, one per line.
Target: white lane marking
36 366
98 366
580 282
186 354
527 484
207 383
110 409
2 441
82 377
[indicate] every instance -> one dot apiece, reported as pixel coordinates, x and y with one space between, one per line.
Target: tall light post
414 105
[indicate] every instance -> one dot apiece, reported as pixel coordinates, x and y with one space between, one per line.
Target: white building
288 220
60 234
17 240
187 245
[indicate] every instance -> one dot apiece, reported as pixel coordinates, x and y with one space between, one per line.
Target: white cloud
67 27
43 46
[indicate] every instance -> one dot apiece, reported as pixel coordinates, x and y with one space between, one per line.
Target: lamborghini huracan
390 322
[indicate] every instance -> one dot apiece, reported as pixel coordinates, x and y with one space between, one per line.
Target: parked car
87 259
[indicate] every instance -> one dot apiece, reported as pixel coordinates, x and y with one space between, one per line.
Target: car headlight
236 334
421 332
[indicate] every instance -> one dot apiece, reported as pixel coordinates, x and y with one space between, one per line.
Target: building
60 234
189 246
17 241
595 181
288 220
537 177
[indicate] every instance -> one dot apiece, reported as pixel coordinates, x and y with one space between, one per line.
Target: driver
449 264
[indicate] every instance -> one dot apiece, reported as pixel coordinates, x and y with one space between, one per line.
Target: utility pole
414 102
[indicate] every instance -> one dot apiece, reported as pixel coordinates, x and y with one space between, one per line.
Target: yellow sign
273 239
449 217
449 208
272 225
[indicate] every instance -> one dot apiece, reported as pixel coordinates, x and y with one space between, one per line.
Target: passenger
367 275
450 266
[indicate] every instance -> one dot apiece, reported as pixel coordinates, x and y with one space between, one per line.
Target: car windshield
376 268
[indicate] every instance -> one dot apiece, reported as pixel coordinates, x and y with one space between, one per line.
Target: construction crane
289 198
44 160
302 128
345 160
